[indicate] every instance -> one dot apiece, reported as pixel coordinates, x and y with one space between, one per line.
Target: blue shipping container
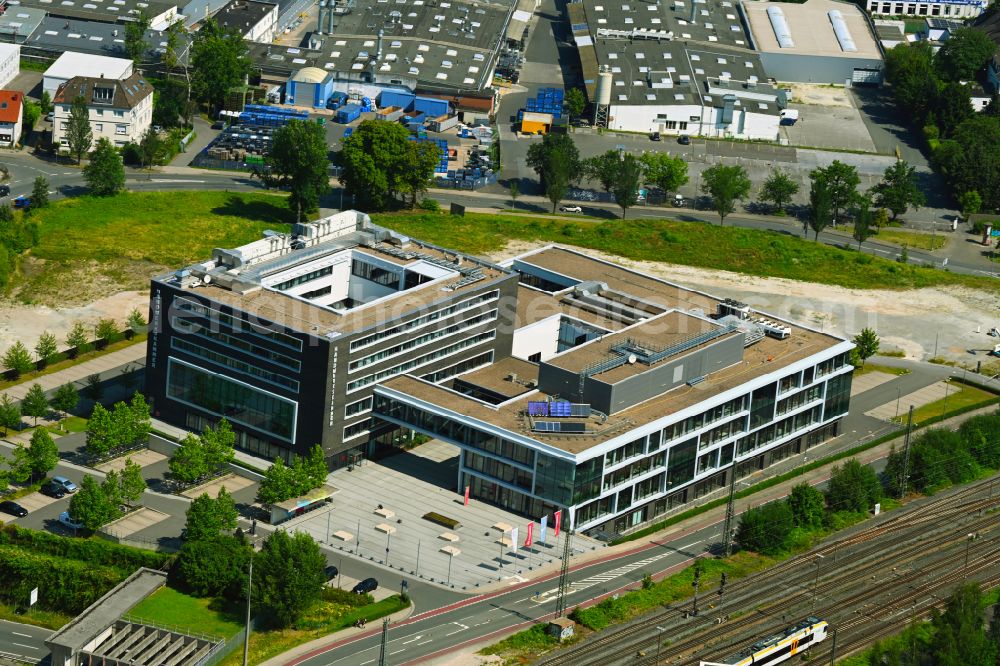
403 100
430 106
348 113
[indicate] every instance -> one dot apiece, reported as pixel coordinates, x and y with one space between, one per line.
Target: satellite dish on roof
631 357
207 279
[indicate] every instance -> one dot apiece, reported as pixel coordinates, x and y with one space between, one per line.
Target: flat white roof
72 64
812 29
7 49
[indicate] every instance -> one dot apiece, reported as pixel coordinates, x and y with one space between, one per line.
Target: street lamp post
388 535
246 637
450 558
659 642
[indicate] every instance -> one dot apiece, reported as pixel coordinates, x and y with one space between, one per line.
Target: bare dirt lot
922 323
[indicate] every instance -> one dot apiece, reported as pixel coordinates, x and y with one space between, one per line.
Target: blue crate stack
273 116
442 144
548 100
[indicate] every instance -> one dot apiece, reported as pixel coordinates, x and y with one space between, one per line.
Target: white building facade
11 116
120 110
960 9
10 63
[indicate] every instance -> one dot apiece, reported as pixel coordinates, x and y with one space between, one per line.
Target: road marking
30 647
396 652
367 662
415 638
173 180
691 544
20 634
424 643
446 635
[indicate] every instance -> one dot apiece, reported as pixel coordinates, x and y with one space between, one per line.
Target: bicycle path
79 372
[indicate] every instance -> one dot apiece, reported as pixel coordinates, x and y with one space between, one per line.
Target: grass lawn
70 424
99 245
524 646
962 396
35 616
170 608
329 615
691 243
875 367
911 239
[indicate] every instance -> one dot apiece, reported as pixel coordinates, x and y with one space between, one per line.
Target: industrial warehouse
567 382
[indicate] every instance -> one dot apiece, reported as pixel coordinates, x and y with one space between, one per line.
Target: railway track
913 534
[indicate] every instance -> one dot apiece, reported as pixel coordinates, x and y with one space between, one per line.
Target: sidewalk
80 371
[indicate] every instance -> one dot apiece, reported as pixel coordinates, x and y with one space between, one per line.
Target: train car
779 647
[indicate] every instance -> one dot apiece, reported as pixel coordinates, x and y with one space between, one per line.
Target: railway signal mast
564 575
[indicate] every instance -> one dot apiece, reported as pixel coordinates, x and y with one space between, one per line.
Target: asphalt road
23 641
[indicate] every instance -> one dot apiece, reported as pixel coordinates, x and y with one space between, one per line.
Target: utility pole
906 454
695 584
727 530
385 643
722 586
833 648
816 580
246 638
564 575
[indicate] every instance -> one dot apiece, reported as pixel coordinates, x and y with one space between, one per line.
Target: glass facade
681 463
183 345
762 405
424 320
500 471
554 479
838 396
236 401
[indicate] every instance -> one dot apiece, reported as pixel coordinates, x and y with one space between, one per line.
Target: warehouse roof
102 11
73 63
817 27
97 39
704 21
241 15
20 21
310 75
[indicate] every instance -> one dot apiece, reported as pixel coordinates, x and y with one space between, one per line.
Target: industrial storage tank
602 95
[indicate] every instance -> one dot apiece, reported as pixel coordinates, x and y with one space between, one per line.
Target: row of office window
197 330
421 340
236 401
358 407
423 320
454 348
237 324
498 470
699 421
373 273
477 361
357 429
302 279
183 345
776 431
796 400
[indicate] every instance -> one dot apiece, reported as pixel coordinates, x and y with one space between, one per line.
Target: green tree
556 160
20 465
45 102
575 102
101 435
603 168
107 330
94 389
79 136
219 61
112 489
864 225
40 192
218 445
169 59
842 182
982 436
820 206
664 171
807 506
892 476
726 185
135 419
381 164
298 160
30 113
288 577
277 485
959 638
34 403
970 159
778 190
970 202
91 506
10 414
766 529
214 567
207 517
77 337
627 182
46 347
135 320
151 148
42 453
866 344
853 487
952 106
316 466
187 464
514 190
964 55
105 173
135 37
132 483
17 359
913 81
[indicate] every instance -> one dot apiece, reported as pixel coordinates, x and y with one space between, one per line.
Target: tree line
934 91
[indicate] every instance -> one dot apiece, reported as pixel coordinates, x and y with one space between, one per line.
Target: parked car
655 136
53 490
66 521
684 140
571 209
13 508
331 572
22 202
365 586
219 124
66 484
50 116
4 190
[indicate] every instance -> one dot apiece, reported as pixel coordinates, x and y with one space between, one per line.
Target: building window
180 344
238 402
838 396
682 125
682 458
671 124
424 320
357 429
554 479
302 279
355 408
98 127
376 274
121 129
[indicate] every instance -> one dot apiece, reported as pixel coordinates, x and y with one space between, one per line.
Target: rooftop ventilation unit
734 308
781 30
773 329
843 33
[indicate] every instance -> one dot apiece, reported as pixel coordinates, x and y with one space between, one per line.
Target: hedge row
92 551
64 585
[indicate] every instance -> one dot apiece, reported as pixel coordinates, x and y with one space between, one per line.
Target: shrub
431 205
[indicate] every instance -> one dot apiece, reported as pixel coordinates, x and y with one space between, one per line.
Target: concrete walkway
79 372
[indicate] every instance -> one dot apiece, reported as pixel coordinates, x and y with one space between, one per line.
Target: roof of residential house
10 106
114 93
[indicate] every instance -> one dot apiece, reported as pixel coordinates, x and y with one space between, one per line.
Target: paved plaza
869 380
919 398
407 486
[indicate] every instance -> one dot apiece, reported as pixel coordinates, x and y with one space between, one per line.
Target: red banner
558 516
528 535
467 496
